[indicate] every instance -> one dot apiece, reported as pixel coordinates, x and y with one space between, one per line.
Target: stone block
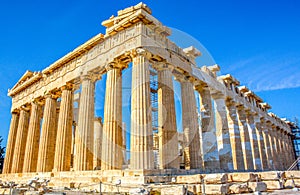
238 188
187 179
243 177
274 185
257 186
271 175
296 174
216 178
216 189
180 190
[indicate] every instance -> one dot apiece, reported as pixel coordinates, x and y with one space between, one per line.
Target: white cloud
267 72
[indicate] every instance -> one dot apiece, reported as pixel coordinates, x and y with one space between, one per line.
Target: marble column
10 148
84 137
98 128
273 146
254 141
167 129
279 151
209 138
265 132
261 143
48 135
62 160
245 139
21 138
33 138
112 138
281 148
222 132
141 140
235 138
287 150
292 157
190 126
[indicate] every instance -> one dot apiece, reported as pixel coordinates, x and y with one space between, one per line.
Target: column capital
217 95
68 86
15 111
240 107
39 102
90 76
116 64
140 52
26 107
51 94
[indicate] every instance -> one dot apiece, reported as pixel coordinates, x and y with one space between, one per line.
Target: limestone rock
274 185
272 175
238 188
216 178
244 177
180 190
216 189
257 186
189 179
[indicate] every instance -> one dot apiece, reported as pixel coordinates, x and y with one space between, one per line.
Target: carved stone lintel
163 66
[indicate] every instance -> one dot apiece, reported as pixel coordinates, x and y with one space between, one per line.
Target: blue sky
257 41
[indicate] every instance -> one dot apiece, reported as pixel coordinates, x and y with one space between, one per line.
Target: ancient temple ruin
53 129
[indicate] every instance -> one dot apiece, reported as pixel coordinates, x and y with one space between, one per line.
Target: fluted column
279 153
286 152
209 138
48 135
112 139
167 129
261 143
235 137
292 157
98 129
265 133
254 142
280 149
222 132
192 152
273 146
141 146
10 148
62 160
245 139
21 138
85 133
33 138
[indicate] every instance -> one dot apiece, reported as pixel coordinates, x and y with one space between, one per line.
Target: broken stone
216 178
216 189
238 188
257 186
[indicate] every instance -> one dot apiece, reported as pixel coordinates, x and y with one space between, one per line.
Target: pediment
26 80
26 76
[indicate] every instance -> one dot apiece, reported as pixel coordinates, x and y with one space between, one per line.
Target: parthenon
54 128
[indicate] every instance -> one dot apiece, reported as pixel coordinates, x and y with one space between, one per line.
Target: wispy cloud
267 72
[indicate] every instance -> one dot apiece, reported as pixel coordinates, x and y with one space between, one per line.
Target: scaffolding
296 140
154 105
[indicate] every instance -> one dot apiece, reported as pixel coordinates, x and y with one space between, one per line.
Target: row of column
27 150
232 137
